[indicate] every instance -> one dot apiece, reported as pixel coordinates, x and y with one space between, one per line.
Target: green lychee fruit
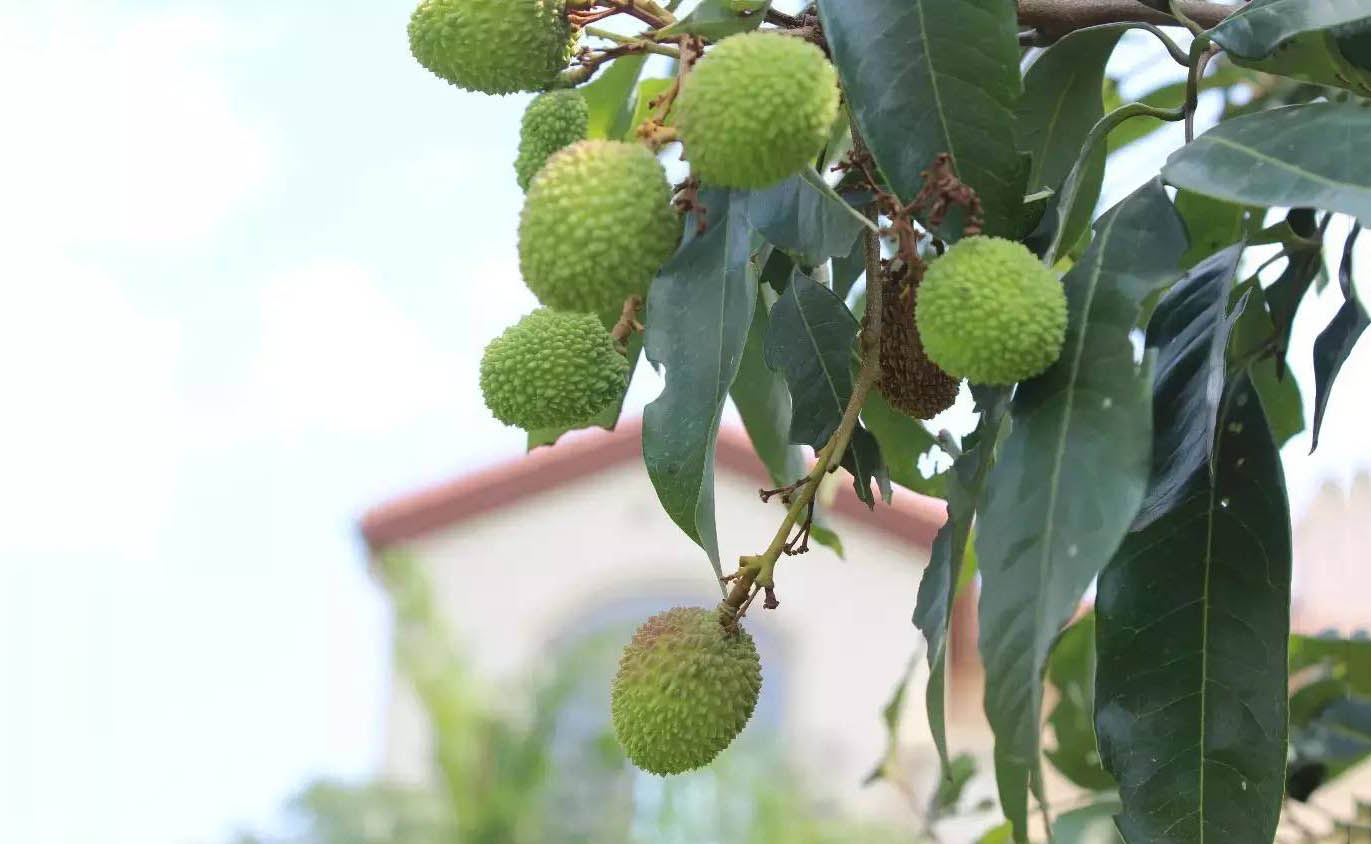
596 227
552 370
686 687
552 121
756 108
911 382
990 312
495 46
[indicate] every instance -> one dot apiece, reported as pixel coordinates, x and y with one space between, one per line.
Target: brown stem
1054 18
628 321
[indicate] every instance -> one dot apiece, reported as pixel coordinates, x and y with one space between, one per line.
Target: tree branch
1055 18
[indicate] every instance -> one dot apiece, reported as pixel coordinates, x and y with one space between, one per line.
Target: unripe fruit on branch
756 108
990 312
686 687
552 121
596 227
911 382
494 46
552 370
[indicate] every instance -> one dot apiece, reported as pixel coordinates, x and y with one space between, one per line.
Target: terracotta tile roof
911 518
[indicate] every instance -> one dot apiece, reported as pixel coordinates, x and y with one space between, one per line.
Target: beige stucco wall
512 581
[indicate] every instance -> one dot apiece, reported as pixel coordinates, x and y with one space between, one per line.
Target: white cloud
120 132
91 435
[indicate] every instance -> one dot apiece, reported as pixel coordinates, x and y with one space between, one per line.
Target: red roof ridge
911 517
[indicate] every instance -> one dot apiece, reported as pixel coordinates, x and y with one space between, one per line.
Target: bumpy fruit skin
756 108
494 46
596 227
990 312
685 689
552 370
552 121
911 382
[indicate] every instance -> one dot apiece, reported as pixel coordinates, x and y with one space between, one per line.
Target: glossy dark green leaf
1213 224
1335 343
1300 156
1253 347
847 270
803 219
1258 28
1193 326
610 97
1301 269
1092 824
809 340
763 402
699 311
939 586
777 270
1071 671
715 19
1192 613
607 419
903 441
1061 102
1323 57
925 77
1070 475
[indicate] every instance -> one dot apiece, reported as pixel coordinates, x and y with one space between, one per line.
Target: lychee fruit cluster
552 121
493 46
757 108
552 370
990 312
686 687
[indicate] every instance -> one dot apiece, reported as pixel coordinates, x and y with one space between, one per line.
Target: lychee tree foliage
952 153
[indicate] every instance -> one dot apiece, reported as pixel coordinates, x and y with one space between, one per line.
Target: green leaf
903 442
715 19
1301 269
648 89
763 402
1334 344
1346 660
847 270
951 547
1001 834
607 419
1213 224
925 77
778 269
1336 739
1322 57
1070 475
809 340
1192 613
798 216
1196 326
1306 155
1092 824
1061 103
1072 673
699 311
1252 345
610 97
1323 744
1261 26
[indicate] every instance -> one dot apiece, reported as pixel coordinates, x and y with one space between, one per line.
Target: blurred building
532 554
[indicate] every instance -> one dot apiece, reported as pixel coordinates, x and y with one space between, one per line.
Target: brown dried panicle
909 380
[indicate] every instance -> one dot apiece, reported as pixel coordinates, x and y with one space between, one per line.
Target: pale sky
250 256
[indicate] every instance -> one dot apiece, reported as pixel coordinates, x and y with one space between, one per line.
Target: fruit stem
758 569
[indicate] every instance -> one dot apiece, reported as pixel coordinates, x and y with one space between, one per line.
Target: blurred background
267 571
